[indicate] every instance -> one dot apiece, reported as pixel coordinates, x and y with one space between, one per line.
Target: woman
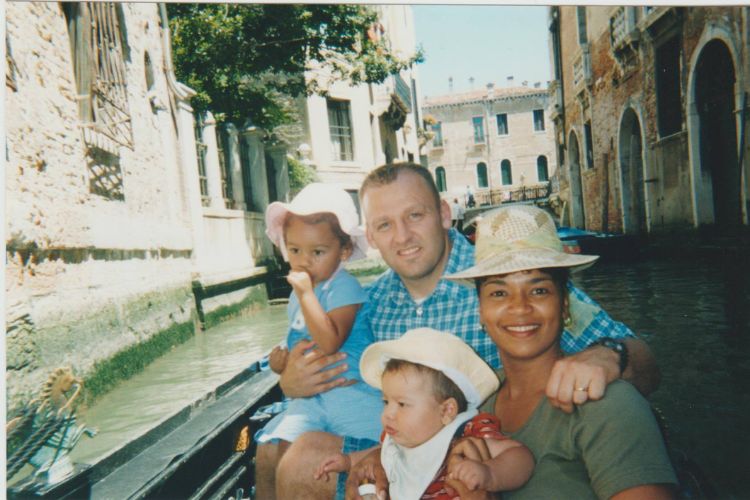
611 448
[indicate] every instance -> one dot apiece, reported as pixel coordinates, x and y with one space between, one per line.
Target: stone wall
86 276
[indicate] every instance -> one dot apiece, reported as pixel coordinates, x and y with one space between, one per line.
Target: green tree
300 175
248 60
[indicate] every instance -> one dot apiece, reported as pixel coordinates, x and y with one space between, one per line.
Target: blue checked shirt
455 308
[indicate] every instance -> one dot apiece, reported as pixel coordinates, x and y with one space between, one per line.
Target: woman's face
523 313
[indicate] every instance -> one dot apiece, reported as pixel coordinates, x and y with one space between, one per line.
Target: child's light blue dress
345 411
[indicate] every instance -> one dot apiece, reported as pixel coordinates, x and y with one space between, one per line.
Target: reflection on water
177 379
695 315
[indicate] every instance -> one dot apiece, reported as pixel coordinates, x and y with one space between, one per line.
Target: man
457 213
410 225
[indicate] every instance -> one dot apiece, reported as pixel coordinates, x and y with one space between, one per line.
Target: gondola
206 451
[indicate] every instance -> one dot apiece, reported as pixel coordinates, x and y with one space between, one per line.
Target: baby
316 233
432 384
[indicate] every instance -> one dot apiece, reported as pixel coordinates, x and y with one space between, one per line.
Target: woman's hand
580 377
368 469
278 358
306 375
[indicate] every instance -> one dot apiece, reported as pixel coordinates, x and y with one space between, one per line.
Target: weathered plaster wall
85 276
667 160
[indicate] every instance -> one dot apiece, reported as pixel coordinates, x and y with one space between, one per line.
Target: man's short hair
388 173
443 388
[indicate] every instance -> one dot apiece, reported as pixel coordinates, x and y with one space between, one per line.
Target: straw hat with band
441 351
317 198
518 238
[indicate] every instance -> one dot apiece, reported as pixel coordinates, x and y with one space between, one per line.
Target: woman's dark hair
442 387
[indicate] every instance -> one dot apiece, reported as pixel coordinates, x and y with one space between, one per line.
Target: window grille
482 181
542 173
502 124
437 139
539 120
668 89
98 49
201 150
224 164
442 186
478 124
506 173
340 127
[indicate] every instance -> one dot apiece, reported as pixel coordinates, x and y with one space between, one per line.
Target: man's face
409 228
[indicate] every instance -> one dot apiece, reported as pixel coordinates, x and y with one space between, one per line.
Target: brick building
492 142
647 105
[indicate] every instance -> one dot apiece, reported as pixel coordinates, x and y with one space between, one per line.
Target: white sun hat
518 238
316 198
438 350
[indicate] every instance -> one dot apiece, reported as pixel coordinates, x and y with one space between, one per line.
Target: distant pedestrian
457 214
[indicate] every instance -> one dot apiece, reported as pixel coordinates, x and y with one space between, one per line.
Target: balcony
623 30
556 99
402 93
582 76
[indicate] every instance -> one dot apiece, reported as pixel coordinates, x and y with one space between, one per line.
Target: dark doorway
631 167
577 218
714 98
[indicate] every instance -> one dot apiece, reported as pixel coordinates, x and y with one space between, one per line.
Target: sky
486 42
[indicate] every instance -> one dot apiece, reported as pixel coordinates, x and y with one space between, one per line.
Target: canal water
695 315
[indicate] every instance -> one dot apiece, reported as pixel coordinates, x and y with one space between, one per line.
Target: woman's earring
567 321
484 329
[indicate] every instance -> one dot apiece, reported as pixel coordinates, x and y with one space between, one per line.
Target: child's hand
335 463
474 475
300 282
278 358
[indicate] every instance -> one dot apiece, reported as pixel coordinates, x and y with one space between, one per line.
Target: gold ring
582 389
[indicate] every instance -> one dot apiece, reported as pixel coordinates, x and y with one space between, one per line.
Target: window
581 15
201 150
669 100
99 49
340 127
442 186
224 164
589 145
437 139
271 178
247 185
502 124
538 120
541 169
482 175
478 124
506 173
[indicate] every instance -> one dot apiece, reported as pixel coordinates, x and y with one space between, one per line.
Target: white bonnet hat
316 198
438 350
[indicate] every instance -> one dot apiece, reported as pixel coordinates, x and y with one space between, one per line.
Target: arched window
505 173
482 175
442 186
541 169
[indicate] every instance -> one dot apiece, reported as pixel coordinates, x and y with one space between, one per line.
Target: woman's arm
646 492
